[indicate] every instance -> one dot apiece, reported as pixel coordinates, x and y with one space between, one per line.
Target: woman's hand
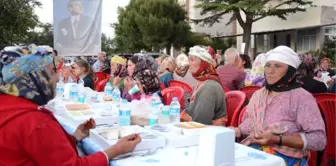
185 117
264 139
83 130
128 83
116 81
124 145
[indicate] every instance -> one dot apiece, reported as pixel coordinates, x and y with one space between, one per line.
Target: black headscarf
286 83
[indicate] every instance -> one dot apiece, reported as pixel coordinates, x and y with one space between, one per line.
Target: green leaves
16 18
151 25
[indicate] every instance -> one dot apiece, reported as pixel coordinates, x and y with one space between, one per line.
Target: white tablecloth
169 156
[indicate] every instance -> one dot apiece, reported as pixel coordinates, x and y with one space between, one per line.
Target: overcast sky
110 15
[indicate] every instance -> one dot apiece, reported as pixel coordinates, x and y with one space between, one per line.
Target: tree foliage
16 18
107 45
151 25
43 34
246 12
216 44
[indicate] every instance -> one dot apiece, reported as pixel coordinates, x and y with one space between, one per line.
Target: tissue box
216 147
106 137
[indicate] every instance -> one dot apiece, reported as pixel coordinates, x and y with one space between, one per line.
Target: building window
306 40
330 32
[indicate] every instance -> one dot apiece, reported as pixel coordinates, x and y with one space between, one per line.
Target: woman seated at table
145 83
207 103
118 71
282 118
29 134
182 73
84 72
166 70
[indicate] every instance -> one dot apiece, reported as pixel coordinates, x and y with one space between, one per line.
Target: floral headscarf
149 81
25 76
182 65
121 66
257 77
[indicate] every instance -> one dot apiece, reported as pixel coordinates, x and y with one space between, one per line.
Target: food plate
106 137
179 135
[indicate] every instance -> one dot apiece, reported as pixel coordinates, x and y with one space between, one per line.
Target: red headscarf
212 52
207 72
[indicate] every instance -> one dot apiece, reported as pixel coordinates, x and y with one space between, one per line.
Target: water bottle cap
175 99
155 94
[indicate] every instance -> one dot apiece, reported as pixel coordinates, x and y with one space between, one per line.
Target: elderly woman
118 71
283 119
166 70
207 103
29 133
181 72
145 83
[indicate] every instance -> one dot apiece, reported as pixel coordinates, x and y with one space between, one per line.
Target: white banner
77 27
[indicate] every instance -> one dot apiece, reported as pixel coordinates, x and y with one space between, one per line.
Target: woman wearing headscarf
118 71
207 103
145 83
305 76
256 76
166 70
282 118
29 133
181 71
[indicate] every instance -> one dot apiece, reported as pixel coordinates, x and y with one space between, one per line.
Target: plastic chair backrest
100 76
241 115
170 92
234 102
249 90
101 85
180 84
162 86
326 103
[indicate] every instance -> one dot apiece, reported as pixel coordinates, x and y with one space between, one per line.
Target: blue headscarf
25 76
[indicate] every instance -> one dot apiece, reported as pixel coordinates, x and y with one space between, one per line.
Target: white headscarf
284 55
201 53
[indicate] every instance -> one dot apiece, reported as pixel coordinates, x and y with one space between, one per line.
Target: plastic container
124 114
116 95
74 93
175 108
165 115
108 89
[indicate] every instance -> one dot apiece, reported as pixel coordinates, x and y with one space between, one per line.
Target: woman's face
78 71
274 71
194 64
240 63
130 68
114 67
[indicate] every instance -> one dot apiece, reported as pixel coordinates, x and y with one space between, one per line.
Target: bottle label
124 113
174 110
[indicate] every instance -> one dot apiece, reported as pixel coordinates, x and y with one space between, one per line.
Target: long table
169 156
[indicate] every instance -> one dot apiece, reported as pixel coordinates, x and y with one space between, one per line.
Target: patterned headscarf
149 81
121 66
25 76
206 70
182 65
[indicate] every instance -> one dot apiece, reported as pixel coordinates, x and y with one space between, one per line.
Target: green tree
151 25
329 50
246 12
107 45
41 35
16 18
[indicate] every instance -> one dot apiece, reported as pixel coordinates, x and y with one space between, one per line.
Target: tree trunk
168 47
247 30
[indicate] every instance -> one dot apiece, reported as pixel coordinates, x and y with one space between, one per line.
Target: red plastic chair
249 90
326 103
180 84
226 89
170 92
100 76
241 115
234 103
101 85
162 86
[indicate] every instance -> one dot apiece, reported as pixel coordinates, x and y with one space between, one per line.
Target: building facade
302 31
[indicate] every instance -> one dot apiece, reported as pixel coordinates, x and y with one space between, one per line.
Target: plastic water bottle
124 114
175 111
155 110
74 92
60 88
108 89
165 117
116 95
81 83
81 96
